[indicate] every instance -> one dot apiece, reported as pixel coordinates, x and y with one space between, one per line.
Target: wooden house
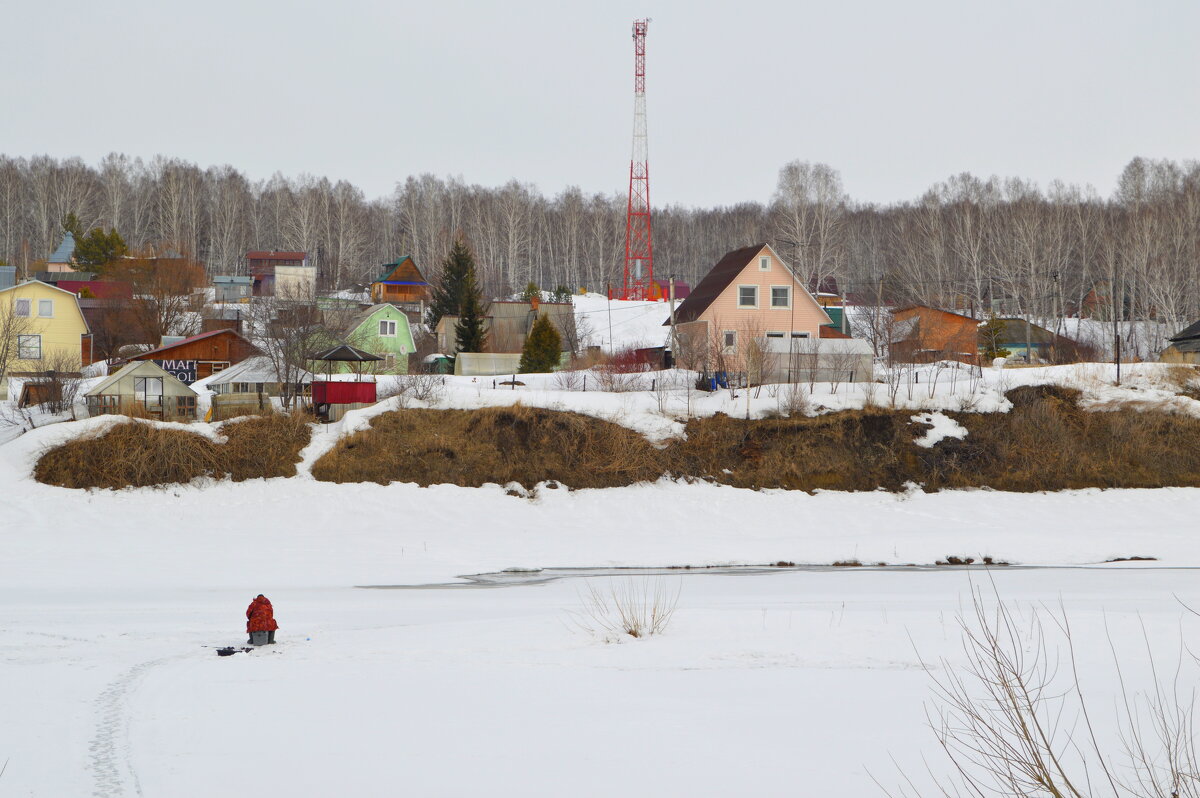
401 283
211 352
383 330
508 324
280 273
47 328
1184 347
142 388
921 334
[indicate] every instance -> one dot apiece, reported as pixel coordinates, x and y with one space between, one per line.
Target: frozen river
770 682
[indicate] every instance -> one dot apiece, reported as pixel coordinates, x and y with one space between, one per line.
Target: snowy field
767 682
781 683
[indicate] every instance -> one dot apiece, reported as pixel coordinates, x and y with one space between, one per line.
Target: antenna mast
639 248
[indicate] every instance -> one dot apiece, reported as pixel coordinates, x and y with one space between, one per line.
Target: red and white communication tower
639 246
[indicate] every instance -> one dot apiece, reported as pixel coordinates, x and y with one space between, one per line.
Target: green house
383 330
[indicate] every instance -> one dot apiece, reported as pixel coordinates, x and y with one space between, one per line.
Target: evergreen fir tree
531 291
990 334
72 225
562 294
470 334
97 249
448 292
543 348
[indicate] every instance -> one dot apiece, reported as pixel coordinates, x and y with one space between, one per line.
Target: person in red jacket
260 617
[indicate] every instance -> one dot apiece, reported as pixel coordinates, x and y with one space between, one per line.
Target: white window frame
42 303
764 263
785 306
23 304
218 365
742 304
383 325
726 337
24 342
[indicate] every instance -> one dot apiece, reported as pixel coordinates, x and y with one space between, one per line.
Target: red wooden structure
343 393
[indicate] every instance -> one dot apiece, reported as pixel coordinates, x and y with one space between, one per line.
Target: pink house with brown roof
750 295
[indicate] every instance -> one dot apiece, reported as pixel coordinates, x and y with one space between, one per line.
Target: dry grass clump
500 445
265 446
1048 443
852 450
136 455
130 455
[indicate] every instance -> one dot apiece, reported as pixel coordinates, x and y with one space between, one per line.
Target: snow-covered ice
786 682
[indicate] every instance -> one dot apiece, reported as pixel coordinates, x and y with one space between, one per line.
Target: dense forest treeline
969 242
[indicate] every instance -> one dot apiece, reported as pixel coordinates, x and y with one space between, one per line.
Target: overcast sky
896 95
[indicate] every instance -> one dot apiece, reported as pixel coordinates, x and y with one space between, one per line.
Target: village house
201 355
508 324
401 283
921 334
232 288
1184 347
139 388
46 330
751 294
383 330
282 274
251 386
63 258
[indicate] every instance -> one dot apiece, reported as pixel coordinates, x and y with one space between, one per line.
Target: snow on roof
253 369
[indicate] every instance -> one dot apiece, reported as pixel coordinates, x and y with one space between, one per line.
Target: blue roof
65 250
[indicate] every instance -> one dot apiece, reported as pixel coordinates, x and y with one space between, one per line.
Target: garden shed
143 388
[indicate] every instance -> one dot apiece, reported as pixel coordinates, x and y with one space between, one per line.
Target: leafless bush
629 607
568 380
1014 721
793 400
421 387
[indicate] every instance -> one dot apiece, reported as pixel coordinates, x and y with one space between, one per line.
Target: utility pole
674 339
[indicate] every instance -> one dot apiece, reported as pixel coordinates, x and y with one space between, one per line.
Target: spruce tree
470 334
97 249
991 332
531 291
448 292
543 348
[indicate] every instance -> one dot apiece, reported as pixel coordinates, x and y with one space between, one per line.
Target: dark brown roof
261 255
716 281
190 339
1187 333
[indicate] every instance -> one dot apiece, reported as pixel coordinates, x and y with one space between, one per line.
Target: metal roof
65 250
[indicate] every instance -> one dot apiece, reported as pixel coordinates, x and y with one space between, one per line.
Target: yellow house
41 328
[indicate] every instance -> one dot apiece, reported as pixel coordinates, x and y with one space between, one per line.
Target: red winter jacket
260 616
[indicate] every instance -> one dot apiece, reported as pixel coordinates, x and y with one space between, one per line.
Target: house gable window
387 329
23 307
29 347
764 264
46 308
781 296
747 296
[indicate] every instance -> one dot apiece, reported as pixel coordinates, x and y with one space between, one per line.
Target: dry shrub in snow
497 445
135 455
1015 721
627 608
420 387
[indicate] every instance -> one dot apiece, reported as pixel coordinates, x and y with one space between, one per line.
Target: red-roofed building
97 289
212 352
